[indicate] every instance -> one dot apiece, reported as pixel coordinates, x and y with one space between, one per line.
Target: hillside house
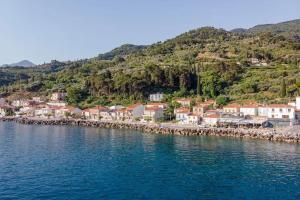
156 104
156 97
58 96
186 102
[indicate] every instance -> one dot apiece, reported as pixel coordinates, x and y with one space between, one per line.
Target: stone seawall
266 134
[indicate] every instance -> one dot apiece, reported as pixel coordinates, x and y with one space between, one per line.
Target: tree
222 100
199 86
74 95
283 88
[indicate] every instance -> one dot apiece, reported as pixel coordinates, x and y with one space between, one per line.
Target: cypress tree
199 86
283 88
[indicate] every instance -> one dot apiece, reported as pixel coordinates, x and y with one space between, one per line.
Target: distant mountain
23 63
289 29
121 51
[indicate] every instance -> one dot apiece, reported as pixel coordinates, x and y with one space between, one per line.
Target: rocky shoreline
265 134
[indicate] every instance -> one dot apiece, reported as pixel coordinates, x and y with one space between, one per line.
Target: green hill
207 62
289 29
121 51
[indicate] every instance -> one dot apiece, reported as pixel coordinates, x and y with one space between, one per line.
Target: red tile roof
279 106
233 105
212 116
131 107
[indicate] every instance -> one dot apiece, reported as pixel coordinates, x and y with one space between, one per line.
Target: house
57 103
38 100
186 102
156 97
200 109
182 114
231 109
153 114
44 112
121 114
65 112
5 110
211 119
116 107
249 110
263 111
22 102
28 111
254 61
281 111
135 111
156 104
209 102
193 119
96 113
2 101
58 96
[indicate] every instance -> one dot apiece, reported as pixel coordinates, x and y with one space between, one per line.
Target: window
273 109
280 109
289 110
285 116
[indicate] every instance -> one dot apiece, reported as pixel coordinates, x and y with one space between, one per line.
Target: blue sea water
58 162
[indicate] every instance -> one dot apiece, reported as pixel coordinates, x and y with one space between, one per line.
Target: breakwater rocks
266 134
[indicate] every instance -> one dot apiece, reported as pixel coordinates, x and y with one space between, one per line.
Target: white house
37 99
4 110
22 102
182 114
211 119
96 113
231 109
153 114
193 118
249 110
2 101
62 112
184 101
281 111
58 96
44 112
156 97
263 111
57 103
157 104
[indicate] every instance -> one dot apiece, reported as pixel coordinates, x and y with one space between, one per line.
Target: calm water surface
55 162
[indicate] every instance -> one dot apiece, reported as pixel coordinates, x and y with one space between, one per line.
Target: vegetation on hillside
207 62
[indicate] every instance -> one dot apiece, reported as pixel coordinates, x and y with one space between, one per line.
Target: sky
43 30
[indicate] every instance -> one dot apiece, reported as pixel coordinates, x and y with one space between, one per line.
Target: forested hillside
289 29
207 62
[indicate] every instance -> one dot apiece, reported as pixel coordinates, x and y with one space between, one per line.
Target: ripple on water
56 162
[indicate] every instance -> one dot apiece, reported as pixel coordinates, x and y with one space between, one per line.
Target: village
189 112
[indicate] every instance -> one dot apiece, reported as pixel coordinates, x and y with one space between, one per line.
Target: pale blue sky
42 30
